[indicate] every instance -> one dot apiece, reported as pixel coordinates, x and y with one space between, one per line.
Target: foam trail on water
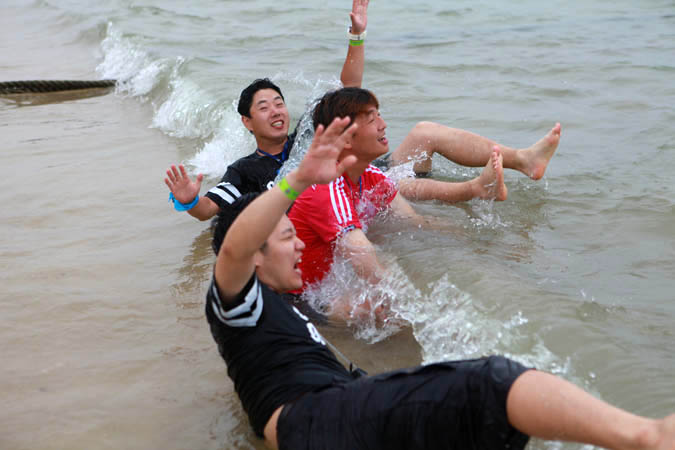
444 320
182 108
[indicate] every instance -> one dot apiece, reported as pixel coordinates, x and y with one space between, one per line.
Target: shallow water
105 344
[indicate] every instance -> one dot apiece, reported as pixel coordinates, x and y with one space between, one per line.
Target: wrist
178 206
356 35
297 182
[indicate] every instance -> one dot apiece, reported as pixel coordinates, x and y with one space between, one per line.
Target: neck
271 147
355 171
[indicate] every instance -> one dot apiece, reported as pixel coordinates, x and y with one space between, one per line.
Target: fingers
358 15
345 164
337 127
172 173
177 177
183 172
330 141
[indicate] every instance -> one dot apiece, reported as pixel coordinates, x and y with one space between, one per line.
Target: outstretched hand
184 189
320 164
359 16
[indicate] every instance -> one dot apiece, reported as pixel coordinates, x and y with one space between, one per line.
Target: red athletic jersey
323 212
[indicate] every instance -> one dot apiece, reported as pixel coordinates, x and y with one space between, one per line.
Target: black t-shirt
251 174
273 353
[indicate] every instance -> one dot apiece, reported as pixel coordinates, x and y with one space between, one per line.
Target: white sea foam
189 111
183 109
444 320
136 71
230 142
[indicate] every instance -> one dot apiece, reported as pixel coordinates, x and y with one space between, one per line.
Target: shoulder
243 310
247 160
375 173
323 196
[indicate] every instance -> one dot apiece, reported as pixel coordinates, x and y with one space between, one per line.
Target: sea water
572 274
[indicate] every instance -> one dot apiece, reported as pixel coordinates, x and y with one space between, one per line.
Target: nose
299 244
382 124
277 110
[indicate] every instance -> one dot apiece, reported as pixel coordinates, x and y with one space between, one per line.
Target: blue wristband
178 206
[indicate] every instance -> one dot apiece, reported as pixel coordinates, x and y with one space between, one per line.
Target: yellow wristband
286 188
356 43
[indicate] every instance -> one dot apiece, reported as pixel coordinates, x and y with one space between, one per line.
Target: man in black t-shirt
297 395
264 113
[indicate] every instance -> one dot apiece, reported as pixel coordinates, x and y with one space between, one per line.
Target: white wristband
356 37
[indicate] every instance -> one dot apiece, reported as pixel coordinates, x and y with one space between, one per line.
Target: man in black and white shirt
263 112
297 395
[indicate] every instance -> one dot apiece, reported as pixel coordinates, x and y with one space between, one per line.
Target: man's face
370 140
277 263
269 117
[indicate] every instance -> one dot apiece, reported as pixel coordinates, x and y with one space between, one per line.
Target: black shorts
454 405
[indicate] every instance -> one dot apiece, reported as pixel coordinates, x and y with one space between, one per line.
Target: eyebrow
289 230
264 100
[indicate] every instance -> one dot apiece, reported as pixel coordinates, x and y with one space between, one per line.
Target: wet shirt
273 353
251 174
323 212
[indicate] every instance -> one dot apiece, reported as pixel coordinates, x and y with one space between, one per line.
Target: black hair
345 102
246 97
226 217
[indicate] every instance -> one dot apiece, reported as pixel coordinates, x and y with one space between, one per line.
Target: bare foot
534 160
490 183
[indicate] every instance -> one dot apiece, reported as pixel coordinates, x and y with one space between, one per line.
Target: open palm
359 16
320 165
178 181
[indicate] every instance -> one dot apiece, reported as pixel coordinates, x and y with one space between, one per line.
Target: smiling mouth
278 124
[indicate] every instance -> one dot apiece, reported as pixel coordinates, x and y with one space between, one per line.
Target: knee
424 129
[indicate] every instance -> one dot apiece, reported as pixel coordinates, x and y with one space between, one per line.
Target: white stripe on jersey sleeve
253 305
374 169
344 196
226 191
331 187
344 201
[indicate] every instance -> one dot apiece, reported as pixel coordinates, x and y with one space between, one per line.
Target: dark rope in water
24 87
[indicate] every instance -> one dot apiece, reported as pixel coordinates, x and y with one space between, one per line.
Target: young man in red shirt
334 217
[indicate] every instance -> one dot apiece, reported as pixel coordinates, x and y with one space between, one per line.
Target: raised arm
352 70
236 259
185 192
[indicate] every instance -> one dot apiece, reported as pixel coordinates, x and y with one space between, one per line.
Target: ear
348 143
247 123
258 258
